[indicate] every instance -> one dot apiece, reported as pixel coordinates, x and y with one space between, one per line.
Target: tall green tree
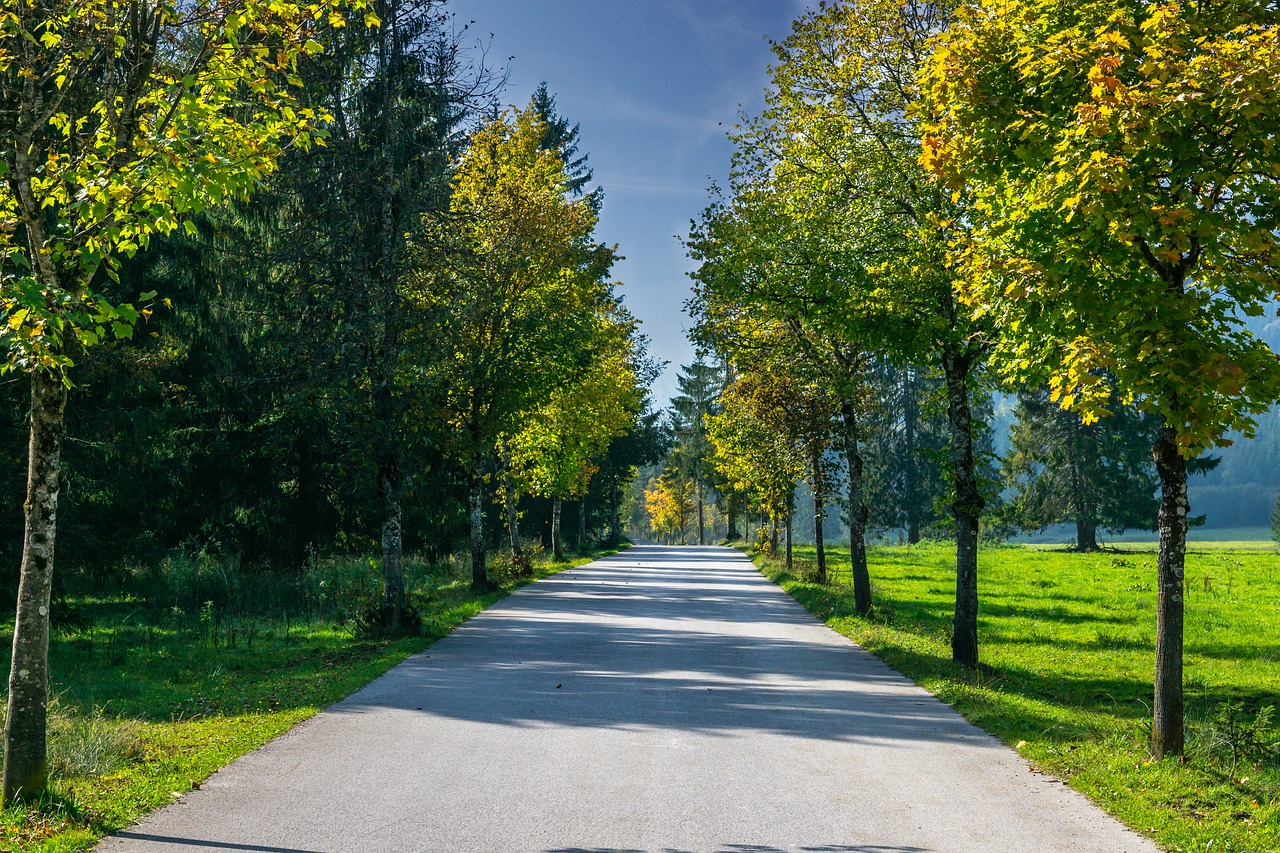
1126 186
1095 475
699 386
509 288
843 128
754 451
554 450
112 133
770 290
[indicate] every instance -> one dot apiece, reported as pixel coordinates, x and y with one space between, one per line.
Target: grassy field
150 700
1067 644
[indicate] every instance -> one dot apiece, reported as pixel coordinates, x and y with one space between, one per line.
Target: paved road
659 701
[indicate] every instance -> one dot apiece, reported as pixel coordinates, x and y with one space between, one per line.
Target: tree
118 120
754 453
560 137
509 289
1064 471
552 453
840 138
1126 187
668 504
906 448
699 384
771 296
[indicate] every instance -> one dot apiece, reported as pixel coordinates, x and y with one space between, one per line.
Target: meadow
1067 650
153 693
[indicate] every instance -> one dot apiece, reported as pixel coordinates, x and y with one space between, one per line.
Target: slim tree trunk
25 754
557 546
702 538
910 472
773 536
393 601
386 356
615 516
857 511
790 516
967 509
479 576
731 505
582 524
513 516
1167 725
819 516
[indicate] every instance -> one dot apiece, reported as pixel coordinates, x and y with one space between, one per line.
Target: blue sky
654 85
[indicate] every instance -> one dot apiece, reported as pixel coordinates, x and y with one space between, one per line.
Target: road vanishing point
662 700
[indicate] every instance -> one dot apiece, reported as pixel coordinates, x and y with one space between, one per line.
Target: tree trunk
819 516
1086 534
387 356
25 753
479 576
582 524
557 545
731 505
773 536
967 510
857 511
910 472
790 515
513 516
702 539
1167 725
393 601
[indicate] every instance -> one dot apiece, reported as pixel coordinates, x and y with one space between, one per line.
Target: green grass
1067 644
149 701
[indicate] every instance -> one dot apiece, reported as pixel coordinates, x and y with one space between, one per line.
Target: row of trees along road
1081 198
373 305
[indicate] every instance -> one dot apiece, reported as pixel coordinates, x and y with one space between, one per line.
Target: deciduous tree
1124 169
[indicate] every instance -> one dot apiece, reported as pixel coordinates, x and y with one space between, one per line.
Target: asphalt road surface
659 701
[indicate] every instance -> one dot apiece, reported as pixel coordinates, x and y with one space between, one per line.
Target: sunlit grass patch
1067 644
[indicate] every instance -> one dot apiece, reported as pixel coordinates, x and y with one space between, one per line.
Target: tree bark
479 576
25 747
1167 725
773 537
557 544
910 472
967 509
857 511
1086 534
790 516
582 524
731 506
819 516
393 601
702 539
